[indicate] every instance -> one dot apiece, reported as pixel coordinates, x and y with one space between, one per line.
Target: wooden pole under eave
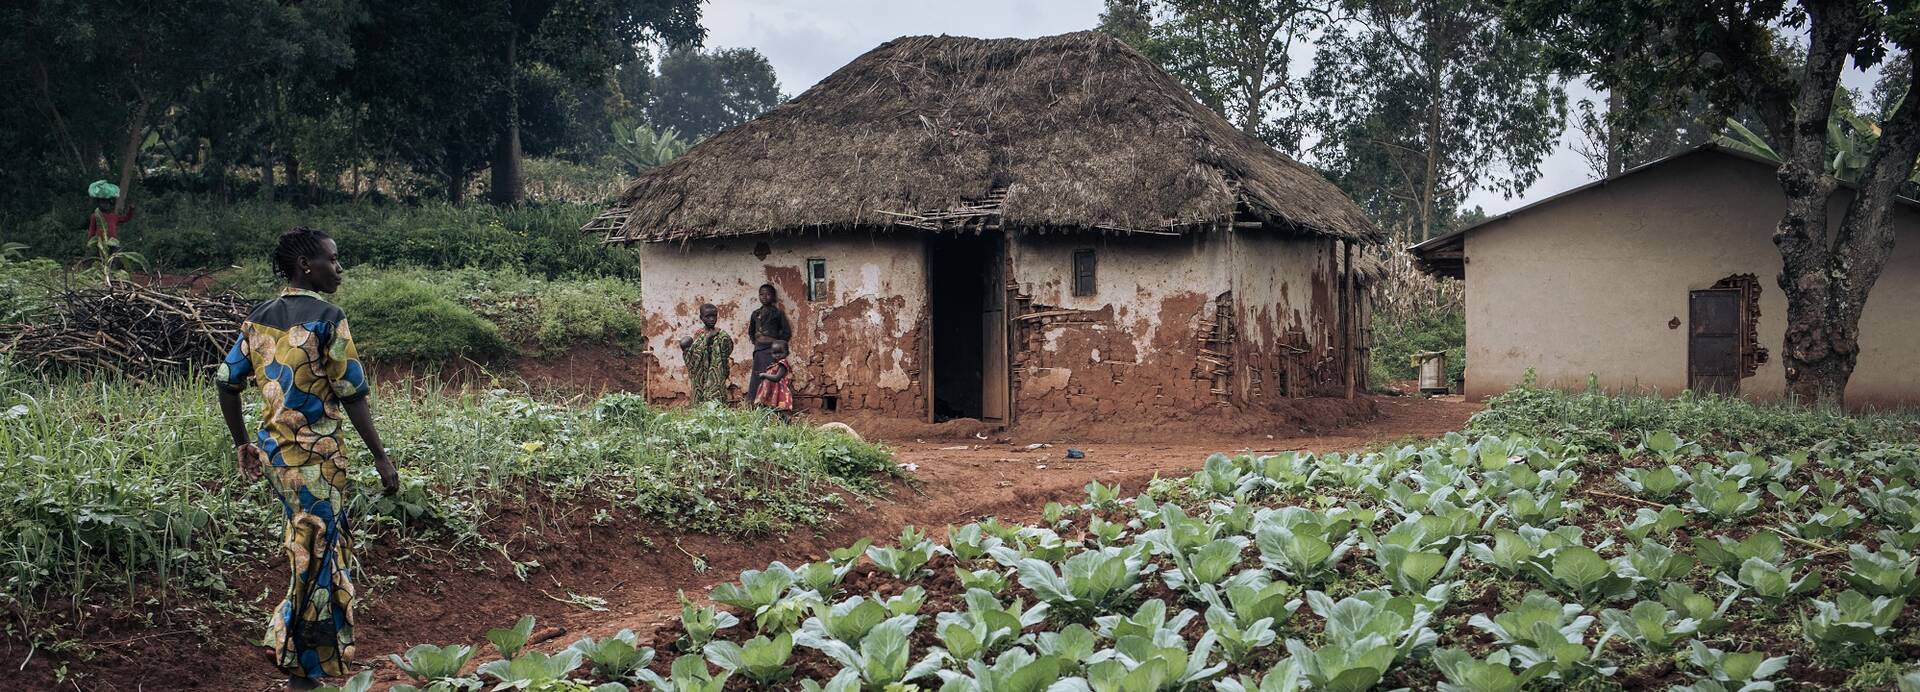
1346 313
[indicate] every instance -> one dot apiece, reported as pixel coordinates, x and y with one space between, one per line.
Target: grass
1599 421
477 312
113 493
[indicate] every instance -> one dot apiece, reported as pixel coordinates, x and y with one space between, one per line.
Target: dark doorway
1713 341
967 301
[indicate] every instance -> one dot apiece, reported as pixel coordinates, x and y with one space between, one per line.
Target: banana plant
1650 625
1851 619
438 667
760 659
1888 571
1465 674
617 656
1658 483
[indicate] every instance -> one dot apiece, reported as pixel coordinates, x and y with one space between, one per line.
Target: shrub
178 232
402 317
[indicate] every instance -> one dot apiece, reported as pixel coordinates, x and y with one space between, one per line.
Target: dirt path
957 481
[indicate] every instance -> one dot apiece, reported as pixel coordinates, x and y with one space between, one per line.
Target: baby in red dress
776 383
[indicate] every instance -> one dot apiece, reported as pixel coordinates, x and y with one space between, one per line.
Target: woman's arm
247 455
361 413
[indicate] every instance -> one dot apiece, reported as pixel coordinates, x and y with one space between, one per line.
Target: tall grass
113 492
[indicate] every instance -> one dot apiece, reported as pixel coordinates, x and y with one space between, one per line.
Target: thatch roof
1073 131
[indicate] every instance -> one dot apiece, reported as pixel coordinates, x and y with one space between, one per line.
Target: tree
1616 139
1234 55
700 92
580 39
1422 102
1726 52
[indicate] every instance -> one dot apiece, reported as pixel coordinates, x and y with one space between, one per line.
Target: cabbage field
1729 558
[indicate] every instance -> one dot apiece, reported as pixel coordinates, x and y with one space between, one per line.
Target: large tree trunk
508 187
130 155
293 179
456 181
1822 338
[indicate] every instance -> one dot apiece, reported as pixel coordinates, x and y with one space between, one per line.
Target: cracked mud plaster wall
1588 284
1136 345
1281 283
859 343
1139 342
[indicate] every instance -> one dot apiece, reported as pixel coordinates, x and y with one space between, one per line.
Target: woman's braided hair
295 243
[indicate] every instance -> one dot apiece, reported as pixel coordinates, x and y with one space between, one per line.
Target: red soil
638 568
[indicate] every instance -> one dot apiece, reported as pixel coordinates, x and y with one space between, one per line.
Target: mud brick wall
858 343
1286 308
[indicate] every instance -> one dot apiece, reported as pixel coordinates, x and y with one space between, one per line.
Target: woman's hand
250 460
389 476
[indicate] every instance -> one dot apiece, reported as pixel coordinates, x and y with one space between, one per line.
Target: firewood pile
126 328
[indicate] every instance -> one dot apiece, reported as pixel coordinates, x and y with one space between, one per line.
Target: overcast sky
808 39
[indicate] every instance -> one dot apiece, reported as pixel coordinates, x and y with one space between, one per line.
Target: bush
179 232
1394 343
396 316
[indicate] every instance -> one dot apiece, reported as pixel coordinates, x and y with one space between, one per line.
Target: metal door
1713 341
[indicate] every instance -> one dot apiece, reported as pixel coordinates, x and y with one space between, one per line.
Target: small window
1083 284
816 279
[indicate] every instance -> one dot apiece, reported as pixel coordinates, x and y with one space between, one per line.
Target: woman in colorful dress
298 350
709 355
767 325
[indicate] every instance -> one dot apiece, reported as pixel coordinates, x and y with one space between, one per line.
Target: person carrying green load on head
104 222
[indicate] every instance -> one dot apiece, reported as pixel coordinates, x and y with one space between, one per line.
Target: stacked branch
125 328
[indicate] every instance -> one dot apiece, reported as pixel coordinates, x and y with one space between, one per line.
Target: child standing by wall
775 390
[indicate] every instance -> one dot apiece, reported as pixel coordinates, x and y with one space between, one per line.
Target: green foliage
400 318
184 233
1442 328
112 488
641 147
1592 419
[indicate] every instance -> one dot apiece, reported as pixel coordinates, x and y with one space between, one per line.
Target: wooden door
995 384
1713 341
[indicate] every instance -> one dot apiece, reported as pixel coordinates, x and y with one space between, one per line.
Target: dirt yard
957 480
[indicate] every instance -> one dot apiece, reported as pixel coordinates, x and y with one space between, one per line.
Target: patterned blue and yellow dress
298 350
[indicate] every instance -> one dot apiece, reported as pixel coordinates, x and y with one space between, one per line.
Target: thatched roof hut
1047 229
1070 131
